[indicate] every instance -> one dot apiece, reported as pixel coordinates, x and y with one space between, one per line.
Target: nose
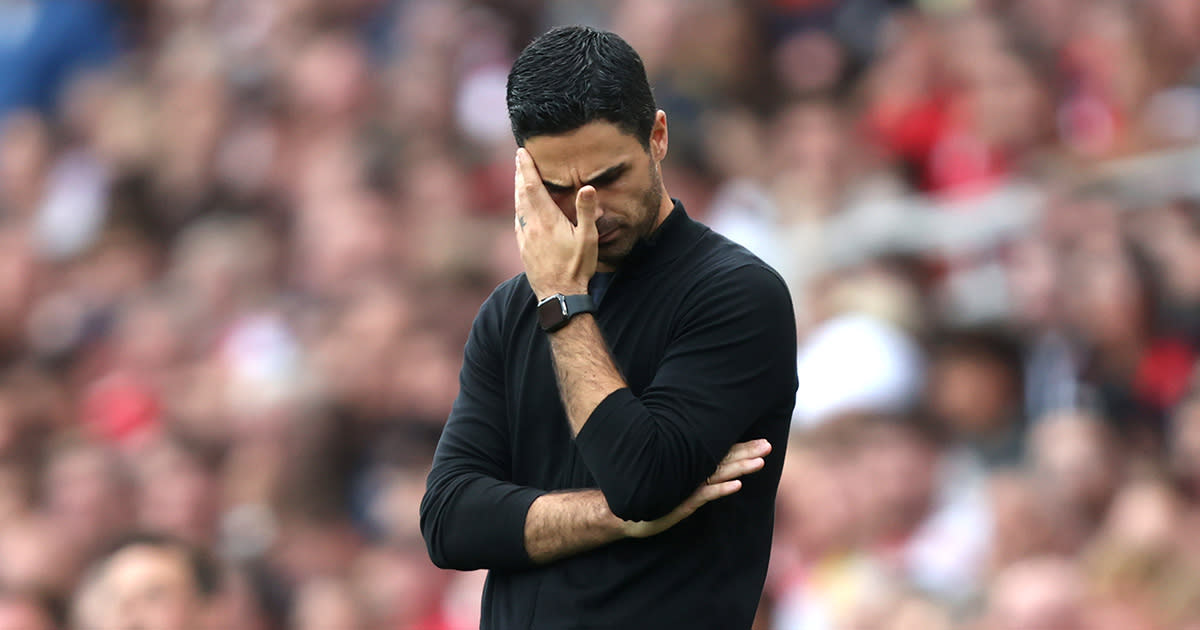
569 206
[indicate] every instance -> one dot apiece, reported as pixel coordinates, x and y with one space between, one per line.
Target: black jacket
704 335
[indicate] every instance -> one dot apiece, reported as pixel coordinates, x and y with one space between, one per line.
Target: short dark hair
201 564
991 343
574 75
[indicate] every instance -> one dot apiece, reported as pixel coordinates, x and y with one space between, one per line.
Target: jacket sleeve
471 518
731 360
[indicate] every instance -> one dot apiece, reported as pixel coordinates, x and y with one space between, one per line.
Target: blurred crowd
241 245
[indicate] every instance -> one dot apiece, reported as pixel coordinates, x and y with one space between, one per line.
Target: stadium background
241 244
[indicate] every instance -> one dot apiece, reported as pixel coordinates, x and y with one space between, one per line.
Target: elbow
471 522
437 537
443 560
657 470
439 558
438 553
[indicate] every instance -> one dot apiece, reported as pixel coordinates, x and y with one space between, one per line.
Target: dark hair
202 565
992 343
574 75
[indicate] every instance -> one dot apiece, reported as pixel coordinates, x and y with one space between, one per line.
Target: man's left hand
743 459
559 257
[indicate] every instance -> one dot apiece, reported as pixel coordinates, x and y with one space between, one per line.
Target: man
633 374
151 582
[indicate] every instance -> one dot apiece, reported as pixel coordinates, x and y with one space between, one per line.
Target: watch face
551 312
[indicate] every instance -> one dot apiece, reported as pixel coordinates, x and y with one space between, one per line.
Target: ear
658 137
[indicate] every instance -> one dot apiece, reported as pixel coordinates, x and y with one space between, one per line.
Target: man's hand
744 458
559 257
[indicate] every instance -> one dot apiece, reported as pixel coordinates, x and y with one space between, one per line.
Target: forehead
588 149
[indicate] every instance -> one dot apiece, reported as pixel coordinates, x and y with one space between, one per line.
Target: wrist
566 289
640 529
617 527
612 526
557 310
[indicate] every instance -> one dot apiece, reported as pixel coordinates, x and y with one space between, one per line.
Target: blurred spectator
154 582
86 492
819 578
26 611
38 556
913 612
1076 464
1025 524
324 603
1137 372
927 517
1136 563
1044 593
177 491
44 45
856 363
1051 362
975 389
1184 453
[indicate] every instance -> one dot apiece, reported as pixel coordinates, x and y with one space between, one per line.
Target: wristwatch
555 311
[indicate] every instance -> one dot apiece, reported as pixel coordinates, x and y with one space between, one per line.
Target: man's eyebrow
609 173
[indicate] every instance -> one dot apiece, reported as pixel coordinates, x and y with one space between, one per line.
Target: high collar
670 240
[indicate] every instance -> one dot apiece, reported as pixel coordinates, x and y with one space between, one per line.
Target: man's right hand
744 458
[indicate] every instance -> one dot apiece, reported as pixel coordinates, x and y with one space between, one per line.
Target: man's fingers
732 470
712 492
585 212
518 183
527 172
529 182
745 450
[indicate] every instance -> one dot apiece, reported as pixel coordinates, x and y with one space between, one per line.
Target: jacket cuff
510 525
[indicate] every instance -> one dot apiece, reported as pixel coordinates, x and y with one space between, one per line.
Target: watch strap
556 310
577 304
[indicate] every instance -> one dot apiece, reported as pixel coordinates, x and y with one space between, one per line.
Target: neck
664 208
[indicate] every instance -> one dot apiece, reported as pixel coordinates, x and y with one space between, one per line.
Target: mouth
610 235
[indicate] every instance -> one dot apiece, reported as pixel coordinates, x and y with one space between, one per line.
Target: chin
614 253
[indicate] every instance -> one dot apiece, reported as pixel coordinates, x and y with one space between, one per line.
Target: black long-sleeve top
704 334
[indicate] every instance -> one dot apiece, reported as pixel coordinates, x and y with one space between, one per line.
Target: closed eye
555 189
609 176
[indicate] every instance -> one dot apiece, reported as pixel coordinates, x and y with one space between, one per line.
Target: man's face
629 190
152 588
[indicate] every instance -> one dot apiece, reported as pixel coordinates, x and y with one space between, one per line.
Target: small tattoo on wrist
521 220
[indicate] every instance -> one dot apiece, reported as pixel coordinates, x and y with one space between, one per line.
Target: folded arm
563 524
731 359
471 518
